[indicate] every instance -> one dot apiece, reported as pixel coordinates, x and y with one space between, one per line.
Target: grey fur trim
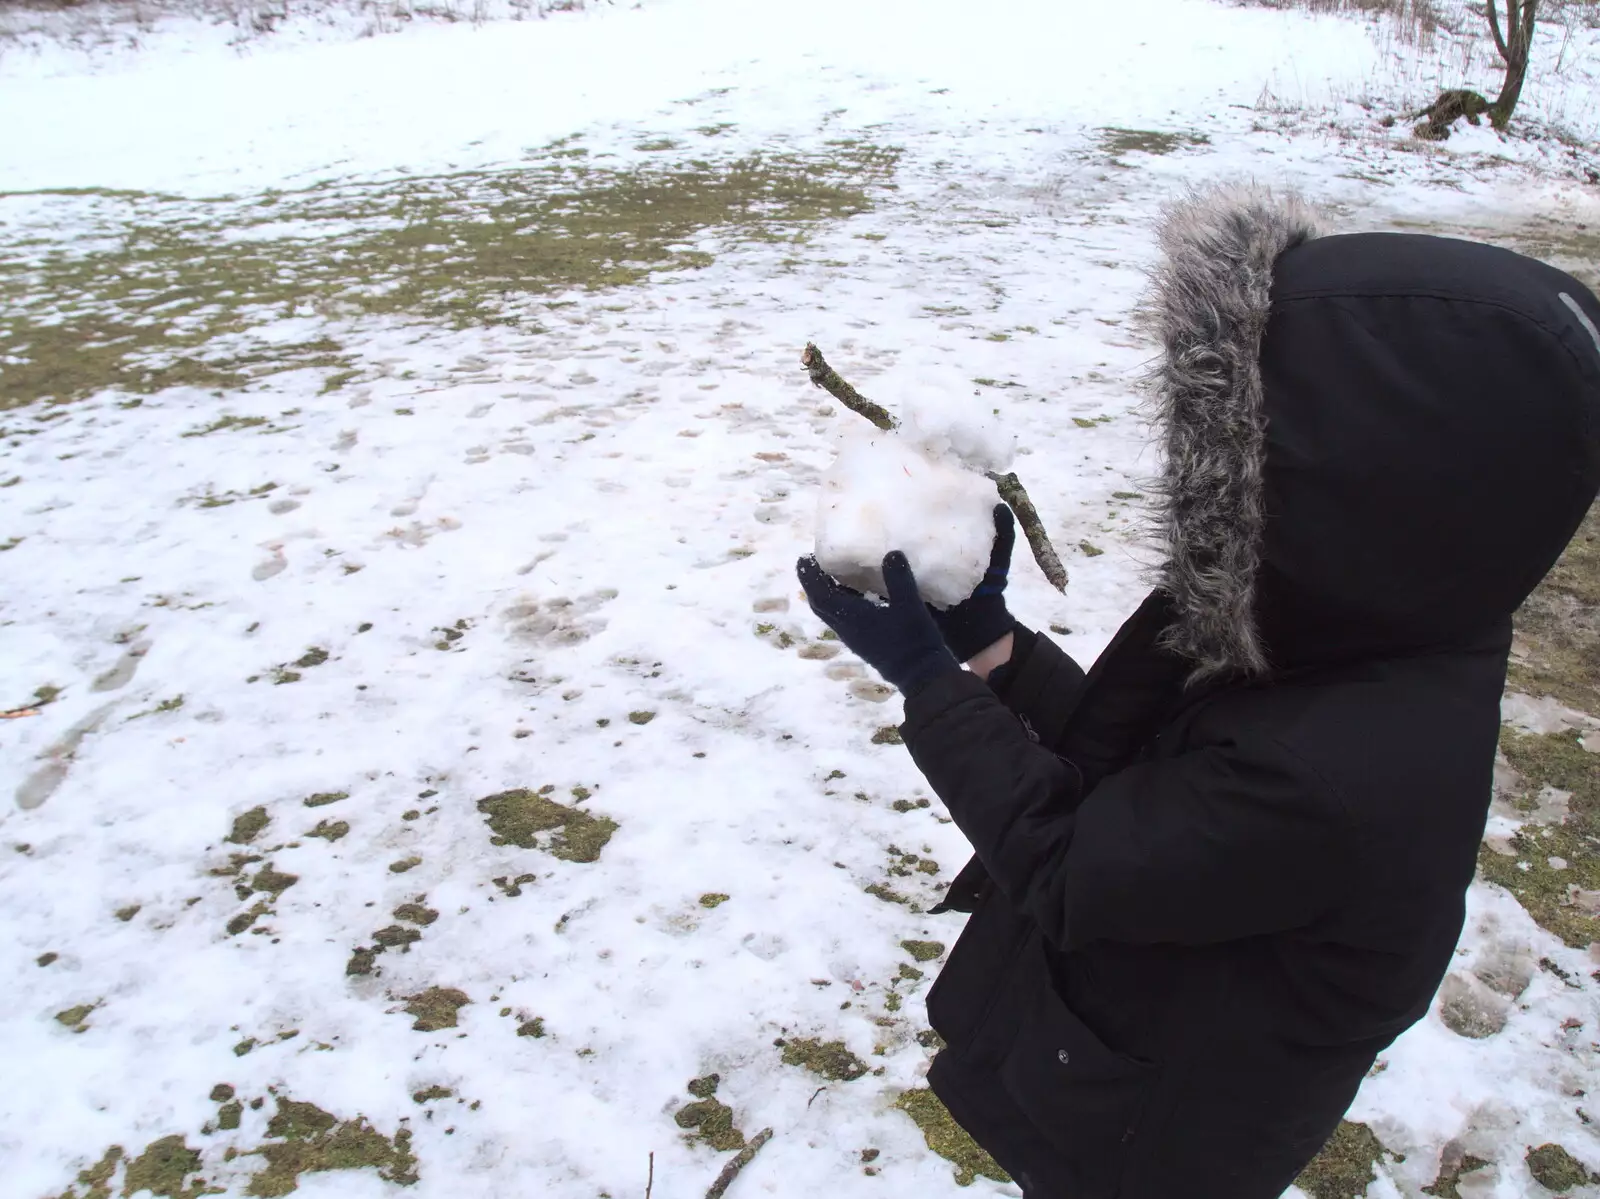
1208 309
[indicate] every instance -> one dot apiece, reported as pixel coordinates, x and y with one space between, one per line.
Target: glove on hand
898 639
981 619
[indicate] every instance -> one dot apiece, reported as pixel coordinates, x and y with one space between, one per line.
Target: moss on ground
531 1028
323 798
923 951
1347 1165
310 1140
436 1008
518 817
248 825
162 1168
95 1180
828 1059
1557 1170
272 882
363 961
396 936
416 913
948 1139
76 1018
704 1088
330 831
712 899
887 735
144 292
1559 897
712 1122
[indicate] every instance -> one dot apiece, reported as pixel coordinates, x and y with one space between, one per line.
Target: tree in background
1514 45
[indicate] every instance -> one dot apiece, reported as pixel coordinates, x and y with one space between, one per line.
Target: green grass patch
141 292
1550 892
1557 1170
1347 1165
248 825
1558 626
162 1168
828 1059
712 1124
519 817
306 1140
436 1008
1116 142
948 1139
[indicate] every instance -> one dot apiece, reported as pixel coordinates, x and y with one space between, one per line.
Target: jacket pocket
975 978
1082 1097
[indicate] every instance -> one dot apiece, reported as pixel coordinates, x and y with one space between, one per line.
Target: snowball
887 491
946 423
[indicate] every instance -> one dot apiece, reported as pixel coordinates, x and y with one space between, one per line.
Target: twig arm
1016 498
1010 487
825 377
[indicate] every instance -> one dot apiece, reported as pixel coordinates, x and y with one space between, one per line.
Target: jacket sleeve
1225 842
1041 684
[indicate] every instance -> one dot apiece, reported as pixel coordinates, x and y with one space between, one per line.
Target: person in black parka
1216 876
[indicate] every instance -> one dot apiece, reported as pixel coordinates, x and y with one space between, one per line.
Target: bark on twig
1016 498
739 1162
1009 486
825 377
650 1183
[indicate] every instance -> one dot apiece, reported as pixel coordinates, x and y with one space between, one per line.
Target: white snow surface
561 555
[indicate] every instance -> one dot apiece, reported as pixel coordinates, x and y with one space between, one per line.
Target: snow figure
923 488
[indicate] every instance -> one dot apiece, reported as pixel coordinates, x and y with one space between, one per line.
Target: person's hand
898 639
982 619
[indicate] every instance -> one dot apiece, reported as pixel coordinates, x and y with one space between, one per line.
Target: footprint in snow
274 565
121 674
43 782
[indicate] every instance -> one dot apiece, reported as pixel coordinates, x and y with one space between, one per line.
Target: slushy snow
558 559
921 488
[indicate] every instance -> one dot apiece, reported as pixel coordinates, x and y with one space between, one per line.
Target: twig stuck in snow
1016 498
739 1162
825 377
650 1183
1009 486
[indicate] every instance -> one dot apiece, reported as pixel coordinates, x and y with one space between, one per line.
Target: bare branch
739 1162
1009 486
825 377
1494 25
1016 498
650 1183
1530 10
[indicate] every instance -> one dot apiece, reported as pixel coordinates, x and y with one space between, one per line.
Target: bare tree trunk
1514 45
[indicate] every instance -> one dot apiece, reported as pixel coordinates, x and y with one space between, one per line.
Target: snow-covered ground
550 544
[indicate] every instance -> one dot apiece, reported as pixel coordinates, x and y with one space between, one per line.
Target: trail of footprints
787 636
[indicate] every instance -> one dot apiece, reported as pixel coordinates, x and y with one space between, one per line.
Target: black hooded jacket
1218 875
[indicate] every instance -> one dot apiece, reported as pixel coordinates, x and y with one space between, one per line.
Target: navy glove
897 639
981 619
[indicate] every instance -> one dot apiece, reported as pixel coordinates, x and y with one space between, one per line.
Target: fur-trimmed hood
1372 443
